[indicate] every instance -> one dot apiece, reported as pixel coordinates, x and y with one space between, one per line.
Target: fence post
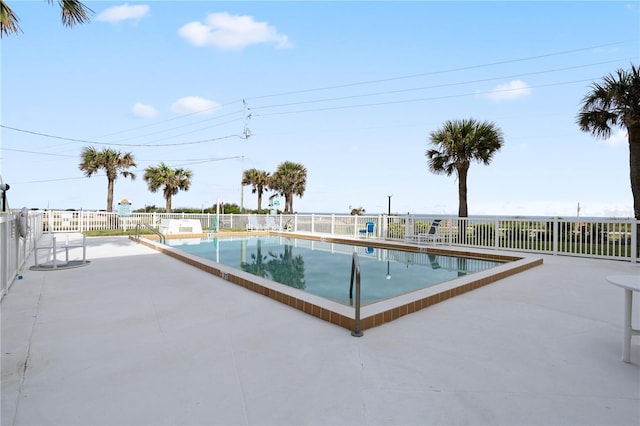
635 223
409 228
384 225
556 236
5 250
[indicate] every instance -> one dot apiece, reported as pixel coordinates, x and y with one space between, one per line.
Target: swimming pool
324 268
386 257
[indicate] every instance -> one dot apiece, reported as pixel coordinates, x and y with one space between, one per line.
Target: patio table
629 283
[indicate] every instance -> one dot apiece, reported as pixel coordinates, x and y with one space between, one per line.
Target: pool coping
371 315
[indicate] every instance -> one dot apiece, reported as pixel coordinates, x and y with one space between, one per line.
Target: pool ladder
155 231
355 273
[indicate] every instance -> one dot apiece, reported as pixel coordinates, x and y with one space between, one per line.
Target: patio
139 338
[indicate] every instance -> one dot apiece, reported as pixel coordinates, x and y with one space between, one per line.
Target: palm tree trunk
110 195
462 204
462 191
634 167
168 205
634 174
286 203
259 202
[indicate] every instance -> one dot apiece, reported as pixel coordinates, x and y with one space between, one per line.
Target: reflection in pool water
324 268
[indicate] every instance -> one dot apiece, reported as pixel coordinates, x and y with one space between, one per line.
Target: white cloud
194 104
512 90
143 111
125 12
231 32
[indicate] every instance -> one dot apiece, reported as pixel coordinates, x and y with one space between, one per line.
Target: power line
247 115
39 153
118 144
436 86
419 99
173 119
99 174
184 125
190 132
509 61
246 132
382 80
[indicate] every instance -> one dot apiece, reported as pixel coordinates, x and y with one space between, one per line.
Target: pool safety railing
355 273
139 227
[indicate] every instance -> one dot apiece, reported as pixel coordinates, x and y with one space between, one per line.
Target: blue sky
351 90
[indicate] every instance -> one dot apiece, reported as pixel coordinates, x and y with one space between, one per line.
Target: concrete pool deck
140 338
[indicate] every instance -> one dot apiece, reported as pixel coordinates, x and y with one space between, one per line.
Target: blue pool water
324 268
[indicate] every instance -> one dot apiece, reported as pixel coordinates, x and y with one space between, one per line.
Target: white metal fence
14 248
586 237
593 237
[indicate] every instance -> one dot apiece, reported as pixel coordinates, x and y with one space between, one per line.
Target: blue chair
368 231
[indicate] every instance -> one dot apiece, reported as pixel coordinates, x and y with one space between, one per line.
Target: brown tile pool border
371 315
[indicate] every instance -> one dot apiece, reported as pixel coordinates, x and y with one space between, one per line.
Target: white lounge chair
253 225
432 235
271 224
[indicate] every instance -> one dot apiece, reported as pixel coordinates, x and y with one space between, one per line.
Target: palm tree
172 181
290 179
259 180
113 162
616 103
458 143
72 12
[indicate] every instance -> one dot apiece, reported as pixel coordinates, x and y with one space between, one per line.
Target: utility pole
242 187
246 133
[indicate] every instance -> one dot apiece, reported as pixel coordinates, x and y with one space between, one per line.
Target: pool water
324 268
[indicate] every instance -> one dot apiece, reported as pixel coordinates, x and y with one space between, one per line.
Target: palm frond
74 12
8 21
613 102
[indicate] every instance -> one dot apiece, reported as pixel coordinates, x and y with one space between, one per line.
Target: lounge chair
253 225
368 230
432 234
271 224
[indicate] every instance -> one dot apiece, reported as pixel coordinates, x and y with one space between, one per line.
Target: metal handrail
355 271
163 240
